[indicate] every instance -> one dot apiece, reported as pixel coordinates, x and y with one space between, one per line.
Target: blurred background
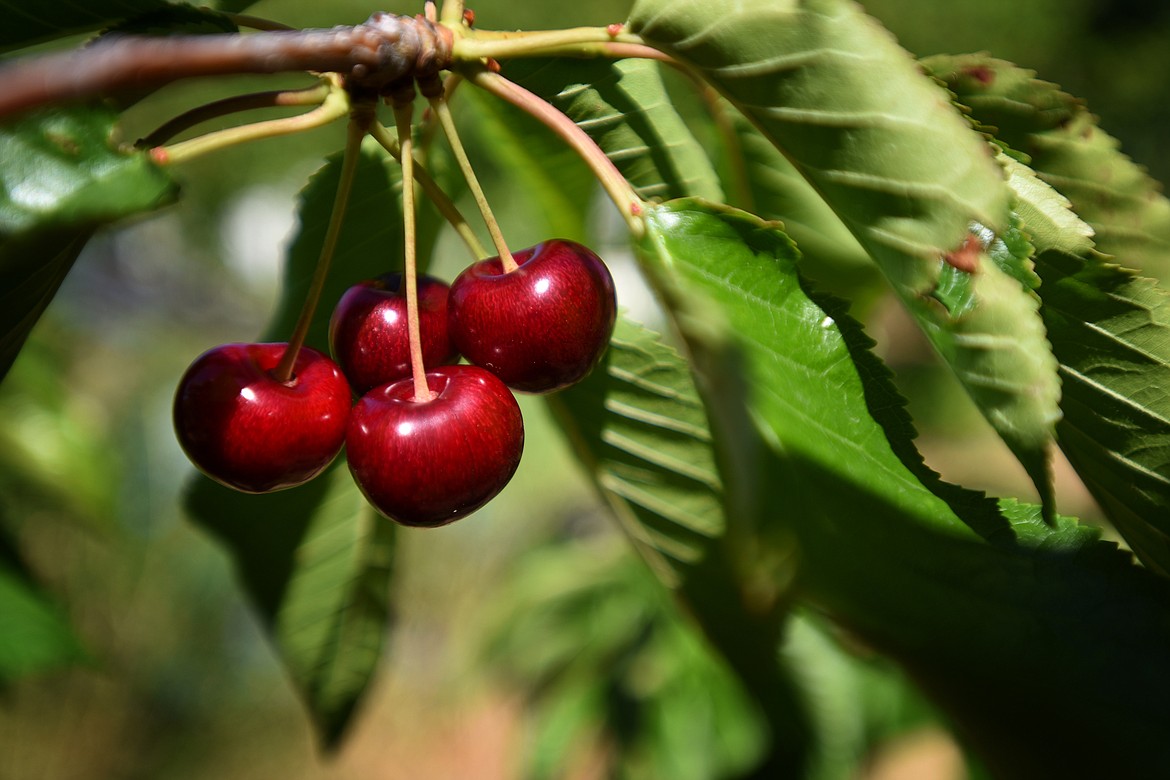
178 680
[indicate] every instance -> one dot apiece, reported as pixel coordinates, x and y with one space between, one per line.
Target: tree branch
372 57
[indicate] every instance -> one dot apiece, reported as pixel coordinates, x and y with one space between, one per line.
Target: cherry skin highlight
428 463
541 327
244 429
367 332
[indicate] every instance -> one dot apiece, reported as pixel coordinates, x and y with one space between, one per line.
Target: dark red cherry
543 326
244 429
427 463
367 332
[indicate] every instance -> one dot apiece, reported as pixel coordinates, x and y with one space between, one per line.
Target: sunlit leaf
776 190
939 578
901 168
62 175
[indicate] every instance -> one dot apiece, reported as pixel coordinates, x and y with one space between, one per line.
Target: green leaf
62 175
34 633
638 425
606 659
169 19
776 190
649 444
27 23
371 240
624 107
1110 329
316 562
981 604
901 168
1129 214
64 169
987 326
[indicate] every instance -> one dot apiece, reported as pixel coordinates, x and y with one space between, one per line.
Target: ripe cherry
367 332
427 463
245 429
541 327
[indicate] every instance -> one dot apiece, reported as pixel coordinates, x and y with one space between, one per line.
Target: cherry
367 332
540 327
427 463
245 429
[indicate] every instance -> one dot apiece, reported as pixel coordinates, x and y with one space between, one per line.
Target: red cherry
244 429
431 462
367 332
541 327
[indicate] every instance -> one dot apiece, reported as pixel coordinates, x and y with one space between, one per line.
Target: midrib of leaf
898 165
331 631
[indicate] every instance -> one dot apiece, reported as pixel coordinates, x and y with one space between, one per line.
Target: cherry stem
359 121
573 42
335 105
312 96
616 186
452 13
442 202
443 112
402 117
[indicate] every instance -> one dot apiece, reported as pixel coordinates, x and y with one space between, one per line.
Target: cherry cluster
421 461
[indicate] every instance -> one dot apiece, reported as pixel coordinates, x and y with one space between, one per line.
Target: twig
371 56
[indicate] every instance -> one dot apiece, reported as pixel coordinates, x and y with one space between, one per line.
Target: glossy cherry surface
246 430
431 462
541 327
367 332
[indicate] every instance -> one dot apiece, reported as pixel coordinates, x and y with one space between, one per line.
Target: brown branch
372 57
